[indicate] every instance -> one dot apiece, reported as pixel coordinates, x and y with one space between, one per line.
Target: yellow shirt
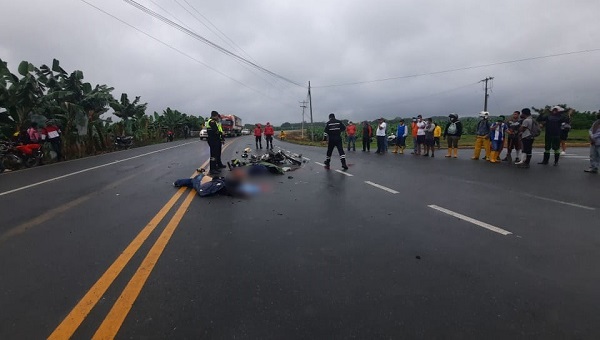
437 132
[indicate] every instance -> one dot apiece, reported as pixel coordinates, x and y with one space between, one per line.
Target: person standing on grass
452 132
381 136
552 123
333 132
437 133
512 137
351 133
525 132
401 134
594 135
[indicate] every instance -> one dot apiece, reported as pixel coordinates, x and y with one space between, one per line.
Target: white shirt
381 129
421 125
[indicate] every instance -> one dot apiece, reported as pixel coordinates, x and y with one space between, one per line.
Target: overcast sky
326 42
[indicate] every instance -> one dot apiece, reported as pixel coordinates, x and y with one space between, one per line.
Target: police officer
215 140
333 133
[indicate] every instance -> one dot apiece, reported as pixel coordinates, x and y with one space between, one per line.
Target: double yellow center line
114 319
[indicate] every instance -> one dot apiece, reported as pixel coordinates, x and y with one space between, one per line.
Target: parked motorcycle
15 157
123 142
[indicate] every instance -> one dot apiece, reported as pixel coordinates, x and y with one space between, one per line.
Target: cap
268 123
558 108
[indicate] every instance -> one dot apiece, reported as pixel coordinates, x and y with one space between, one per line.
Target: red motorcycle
16 156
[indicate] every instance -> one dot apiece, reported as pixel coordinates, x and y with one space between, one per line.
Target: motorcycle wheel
31 161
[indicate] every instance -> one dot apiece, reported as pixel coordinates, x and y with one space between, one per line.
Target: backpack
535 128
452 128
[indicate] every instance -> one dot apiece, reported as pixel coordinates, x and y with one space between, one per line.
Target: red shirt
269 130
351 130
257 131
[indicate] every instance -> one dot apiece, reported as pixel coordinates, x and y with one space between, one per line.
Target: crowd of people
517 132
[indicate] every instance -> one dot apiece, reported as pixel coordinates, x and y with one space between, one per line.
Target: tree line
39 94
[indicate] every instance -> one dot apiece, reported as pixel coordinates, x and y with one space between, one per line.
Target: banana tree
95 102
20 97
127 110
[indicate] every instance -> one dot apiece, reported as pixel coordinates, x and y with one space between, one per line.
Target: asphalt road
398 246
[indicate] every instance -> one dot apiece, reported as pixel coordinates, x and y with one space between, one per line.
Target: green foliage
76 106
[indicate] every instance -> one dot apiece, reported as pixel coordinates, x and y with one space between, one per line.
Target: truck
232 125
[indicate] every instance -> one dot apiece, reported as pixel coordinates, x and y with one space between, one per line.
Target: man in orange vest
269 135
258 136
351 132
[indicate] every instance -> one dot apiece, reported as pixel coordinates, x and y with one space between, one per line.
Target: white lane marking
528 195
382 187
471 220
321 164
560 202
88 169
308 159
344 173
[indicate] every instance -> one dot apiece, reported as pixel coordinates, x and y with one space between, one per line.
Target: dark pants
335 143
258 140
380 144
513 143
366 144
57 147
215 155
269 139
436 140
527 146
552 142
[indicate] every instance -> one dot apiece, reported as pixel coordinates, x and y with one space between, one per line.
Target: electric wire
225 39
175 49
206 41
462 68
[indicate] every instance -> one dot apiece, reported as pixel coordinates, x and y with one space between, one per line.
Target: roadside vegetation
38 94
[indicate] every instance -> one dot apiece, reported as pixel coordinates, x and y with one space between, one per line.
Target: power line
206 41
223 37
462 68
175 49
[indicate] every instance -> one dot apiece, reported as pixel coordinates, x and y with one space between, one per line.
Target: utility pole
312 129
486 91
303 106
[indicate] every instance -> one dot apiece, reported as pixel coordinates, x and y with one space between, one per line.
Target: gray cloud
325 42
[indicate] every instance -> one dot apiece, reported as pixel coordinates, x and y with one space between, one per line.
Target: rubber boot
449 153
546 159
327 161
493 156
402 150
455 152
556 157
395 149
477 151
525 163
344 166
